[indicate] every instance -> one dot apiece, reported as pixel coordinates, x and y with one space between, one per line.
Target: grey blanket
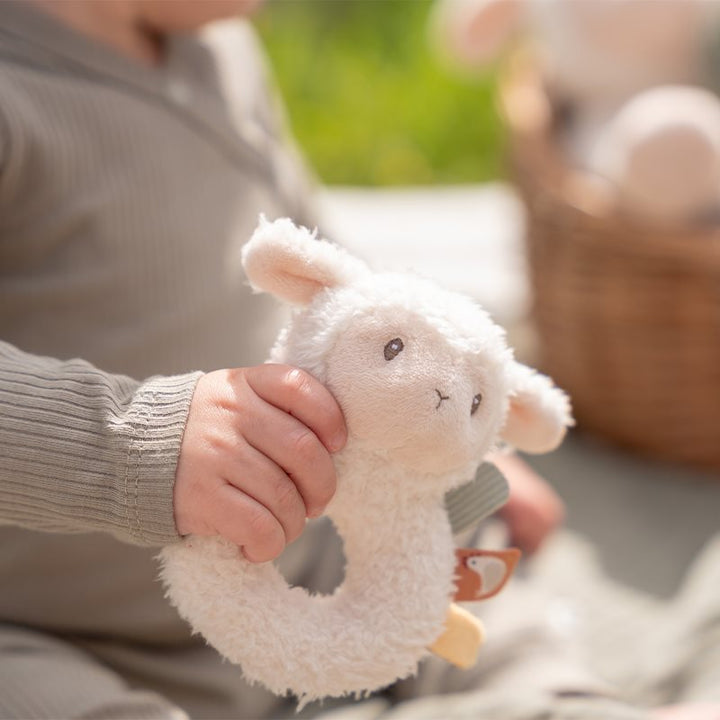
565 641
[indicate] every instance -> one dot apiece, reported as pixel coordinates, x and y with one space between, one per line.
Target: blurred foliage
368 99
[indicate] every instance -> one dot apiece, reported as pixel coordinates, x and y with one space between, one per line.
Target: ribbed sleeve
84 450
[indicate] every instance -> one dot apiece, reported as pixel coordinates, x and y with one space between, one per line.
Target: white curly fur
407 446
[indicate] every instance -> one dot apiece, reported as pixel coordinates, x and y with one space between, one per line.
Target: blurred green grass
368 100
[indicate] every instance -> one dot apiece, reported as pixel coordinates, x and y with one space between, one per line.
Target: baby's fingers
298 393
256 475
298 451
248 524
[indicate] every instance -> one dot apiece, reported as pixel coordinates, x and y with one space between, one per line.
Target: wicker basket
628 316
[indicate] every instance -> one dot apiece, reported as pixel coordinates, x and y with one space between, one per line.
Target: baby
136 153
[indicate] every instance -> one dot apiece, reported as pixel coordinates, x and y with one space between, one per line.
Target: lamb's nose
441 397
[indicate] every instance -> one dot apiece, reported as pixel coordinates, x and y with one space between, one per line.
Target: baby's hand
533 510
255 458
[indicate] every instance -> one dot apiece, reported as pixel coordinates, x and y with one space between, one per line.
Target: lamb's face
425 386
422 374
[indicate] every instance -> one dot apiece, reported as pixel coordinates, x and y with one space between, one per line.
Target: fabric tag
472 502
480 574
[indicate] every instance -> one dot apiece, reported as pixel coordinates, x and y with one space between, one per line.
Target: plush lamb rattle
635 76
428 387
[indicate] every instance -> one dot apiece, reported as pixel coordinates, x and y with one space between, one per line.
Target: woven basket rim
526 111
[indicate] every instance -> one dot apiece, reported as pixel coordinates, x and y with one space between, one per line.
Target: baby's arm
255 459
83 450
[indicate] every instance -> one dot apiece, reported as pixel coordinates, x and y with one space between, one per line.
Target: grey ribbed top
125 195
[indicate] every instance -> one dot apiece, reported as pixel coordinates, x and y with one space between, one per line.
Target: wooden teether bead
460 642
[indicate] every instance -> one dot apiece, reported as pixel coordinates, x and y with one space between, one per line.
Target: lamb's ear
294 265
539 413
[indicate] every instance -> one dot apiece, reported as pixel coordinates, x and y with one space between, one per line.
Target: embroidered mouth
441 398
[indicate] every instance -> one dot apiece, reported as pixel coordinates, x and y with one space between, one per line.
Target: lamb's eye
393 348
475 403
